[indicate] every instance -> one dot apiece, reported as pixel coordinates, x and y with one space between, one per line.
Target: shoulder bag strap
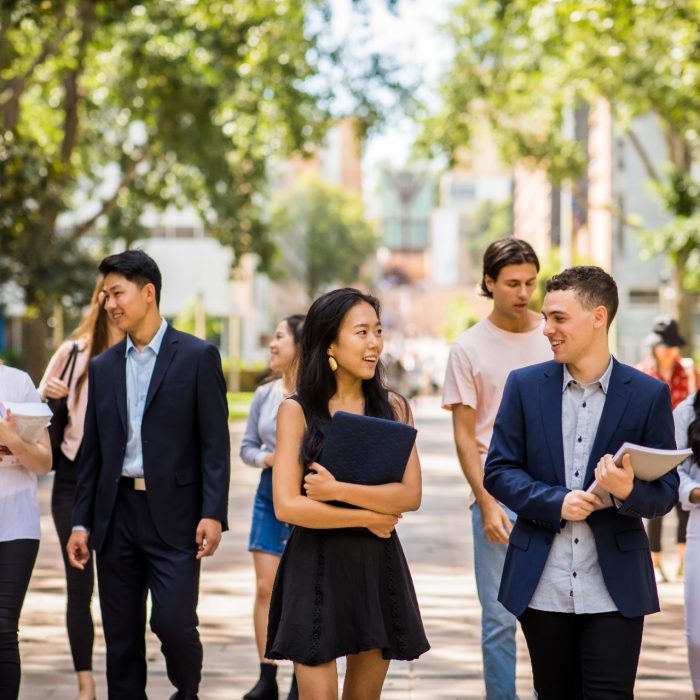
70 361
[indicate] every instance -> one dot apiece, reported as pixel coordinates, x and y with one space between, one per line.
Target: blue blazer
525 471
184 436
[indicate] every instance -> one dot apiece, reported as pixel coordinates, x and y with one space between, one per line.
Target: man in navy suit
579 576
152 492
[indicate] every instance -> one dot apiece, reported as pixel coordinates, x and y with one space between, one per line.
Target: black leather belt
137 483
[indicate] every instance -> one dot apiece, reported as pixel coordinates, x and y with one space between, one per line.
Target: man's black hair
136 266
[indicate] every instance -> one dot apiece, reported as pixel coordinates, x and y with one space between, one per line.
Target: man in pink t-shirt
480 360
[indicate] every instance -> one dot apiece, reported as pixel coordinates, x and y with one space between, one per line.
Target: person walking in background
579 576
343 587
153 479
20 462
687 421
268 536
478 365
95 334
664 363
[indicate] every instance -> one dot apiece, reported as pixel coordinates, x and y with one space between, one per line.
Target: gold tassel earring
333 364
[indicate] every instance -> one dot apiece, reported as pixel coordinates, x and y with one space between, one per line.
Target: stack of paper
30 418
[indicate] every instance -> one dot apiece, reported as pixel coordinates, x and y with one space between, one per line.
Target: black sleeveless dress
343 591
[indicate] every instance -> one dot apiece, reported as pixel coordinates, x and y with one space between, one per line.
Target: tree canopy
523 64
325 237
109 108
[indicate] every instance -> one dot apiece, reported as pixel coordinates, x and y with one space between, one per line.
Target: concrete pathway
437 542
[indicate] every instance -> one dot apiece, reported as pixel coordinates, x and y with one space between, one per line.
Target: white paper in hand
31 418
648 464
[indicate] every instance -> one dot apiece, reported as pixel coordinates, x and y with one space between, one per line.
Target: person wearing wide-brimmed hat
664 363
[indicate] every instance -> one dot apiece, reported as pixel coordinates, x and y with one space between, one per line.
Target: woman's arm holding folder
291 506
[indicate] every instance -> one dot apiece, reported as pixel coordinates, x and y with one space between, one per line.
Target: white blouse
19 507
688 471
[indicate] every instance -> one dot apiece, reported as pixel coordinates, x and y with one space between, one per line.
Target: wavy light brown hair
95 325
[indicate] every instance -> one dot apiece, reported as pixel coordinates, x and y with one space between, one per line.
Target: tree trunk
680 154
35 332
683 302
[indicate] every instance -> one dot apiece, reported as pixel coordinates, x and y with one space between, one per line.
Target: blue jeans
497 624
267 534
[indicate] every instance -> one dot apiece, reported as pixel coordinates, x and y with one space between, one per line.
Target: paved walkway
437 541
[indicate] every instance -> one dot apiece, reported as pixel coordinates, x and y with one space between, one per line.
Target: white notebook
31 418
648 464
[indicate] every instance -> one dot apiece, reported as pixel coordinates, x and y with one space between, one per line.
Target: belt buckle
139 483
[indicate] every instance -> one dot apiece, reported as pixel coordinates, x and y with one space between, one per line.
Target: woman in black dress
343 587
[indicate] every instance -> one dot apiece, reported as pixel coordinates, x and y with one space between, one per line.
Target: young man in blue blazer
152 492
579 576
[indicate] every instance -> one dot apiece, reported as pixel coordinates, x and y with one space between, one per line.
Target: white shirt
19 507
689 470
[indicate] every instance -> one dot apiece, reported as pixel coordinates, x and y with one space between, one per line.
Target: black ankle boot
266 687
293 690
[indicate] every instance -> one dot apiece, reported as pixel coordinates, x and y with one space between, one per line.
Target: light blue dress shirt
139 369
572 581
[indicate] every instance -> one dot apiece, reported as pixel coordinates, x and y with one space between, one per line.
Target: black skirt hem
387 654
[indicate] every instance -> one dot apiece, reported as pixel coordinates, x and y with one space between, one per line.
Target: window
644 297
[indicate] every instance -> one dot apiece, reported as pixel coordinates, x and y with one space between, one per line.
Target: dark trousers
79 583
582 657
17 559
654 529
133 561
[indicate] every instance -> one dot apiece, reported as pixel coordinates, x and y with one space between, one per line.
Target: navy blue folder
365 450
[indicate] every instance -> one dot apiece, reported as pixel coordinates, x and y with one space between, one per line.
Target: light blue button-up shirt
139 369
260 431
572 581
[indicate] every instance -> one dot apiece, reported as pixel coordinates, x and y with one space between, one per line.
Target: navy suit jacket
184 436
525 471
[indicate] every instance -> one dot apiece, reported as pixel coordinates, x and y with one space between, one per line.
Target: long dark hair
295 323
316 382
694 429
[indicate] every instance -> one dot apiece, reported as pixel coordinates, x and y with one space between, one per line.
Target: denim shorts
267 534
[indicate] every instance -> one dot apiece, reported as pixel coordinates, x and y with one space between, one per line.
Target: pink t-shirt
479 363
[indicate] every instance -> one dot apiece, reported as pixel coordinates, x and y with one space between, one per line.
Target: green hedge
239 404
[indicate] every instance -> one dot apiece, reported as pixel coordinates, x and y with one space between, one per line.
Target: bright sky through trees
412 36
